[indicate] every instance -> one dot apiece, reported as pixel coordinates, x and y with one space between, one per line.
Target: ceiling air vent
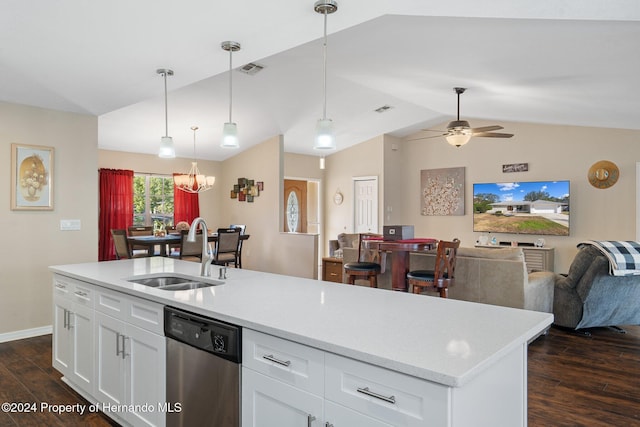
383 109
251 68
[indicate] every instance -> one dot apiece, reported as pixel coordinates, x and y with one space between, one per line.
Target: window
152 199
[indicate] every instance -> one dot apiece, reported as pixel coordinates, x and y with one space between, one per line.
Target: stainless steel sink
173 281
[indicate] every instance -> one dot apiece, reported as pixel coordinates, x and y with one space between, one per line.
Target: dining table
400 251
168 239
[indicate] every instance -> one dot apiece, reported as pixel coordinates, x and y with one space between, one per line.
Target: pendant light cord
324 70
166 108
230 83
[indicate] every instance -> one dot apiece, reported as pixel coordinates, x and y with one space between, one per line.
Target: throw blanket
624 257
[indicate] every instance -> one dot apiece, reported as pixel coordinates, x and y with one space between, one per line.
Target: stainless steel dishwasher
203 370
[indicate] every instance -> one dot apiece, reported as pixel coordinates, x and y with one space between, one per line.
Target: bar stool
363 270
443 274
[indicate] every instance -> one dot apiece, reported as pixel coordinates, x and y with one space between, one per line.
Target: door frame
377 199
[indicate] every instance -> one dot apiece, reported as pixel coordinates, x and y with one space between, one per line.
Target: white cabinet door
82 372
146 361
267 402
338 416
61 334
109 362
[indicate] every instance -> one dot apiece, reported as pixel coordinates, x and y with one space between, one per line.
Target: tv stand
528 244
536 259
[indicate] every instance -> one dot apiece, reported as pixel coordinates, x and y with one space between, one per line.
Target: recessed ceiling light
383 109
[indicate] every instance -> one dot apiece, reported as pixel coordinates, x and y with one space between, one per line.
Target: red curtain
186 206
116 208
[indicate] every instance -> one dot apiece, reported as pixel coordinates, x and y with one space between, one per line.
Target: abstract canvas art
442 191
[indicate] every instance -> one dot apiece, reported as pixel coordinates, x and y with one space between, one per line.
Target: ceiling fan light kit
459 132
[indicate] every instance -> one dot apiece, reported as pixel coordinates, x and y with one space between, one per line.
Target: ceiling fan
459 132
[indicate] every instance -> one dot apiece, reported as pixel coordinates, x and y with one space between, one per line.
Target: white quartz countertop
440 340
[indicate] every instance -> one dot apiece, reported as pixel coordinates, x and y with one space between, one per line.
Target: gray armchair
589 297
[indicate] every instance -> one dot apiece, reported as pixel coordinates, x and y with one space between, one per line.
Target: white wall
32 241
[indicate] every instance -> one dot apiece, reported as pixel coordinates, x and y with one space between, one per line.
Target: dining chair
189 251
123 250
443 274
365 268
227 249
140 230
243 230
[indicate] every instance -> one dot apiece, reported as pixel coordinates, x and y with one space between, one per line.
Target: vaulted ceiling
572 62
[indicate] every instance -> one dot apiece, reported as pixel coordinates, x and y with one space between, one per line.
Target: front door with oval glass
295 206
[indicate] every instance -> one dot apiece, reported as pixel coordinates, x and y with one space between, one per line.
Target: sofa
588 296
495 276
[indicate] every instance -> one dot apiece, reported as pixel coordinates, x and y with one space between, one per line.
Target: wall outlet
70 224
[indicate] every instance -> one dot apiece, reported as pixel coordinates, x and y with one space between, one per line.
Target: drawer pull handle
270 358
391 399
310 419
81 294
61 286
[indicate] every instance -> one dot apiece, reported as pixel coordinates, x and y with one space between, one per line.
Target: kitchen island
430 361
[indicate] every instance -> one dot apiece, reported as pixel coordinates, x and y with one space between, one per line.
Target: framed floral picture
31 177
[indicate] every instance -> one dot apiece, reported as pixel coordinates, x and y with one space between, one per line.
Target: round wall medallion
337 198
603 174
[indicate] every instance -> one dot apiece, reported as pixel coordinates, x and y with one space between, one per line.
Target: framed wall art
31 177
442 191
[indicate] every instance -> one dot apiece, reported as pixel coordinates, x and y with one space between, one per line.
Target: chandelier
194 181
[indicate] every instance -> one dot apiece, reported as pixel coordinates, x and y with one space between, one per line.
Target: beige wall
366 159
553 152
147 163
33 240
263 162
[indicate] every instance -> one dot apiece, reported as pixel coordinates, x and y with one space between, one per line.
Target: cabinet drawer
75 290
136 311
333 271
146 315
387 395
292 363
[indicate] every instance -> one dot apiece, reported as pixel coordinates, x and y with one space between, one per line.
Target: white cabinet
73 332
267 402
297 385
130 361
111 347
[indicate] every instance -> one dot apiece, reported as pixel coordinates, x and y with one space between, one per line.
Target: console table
332 269
535 258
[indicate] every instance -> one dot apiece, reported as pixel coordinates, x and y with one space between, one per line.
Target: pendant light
230 131
325 138
167 151
194 181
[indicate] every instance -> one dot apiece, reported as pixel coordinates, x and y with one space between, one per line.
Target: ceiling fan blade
434 130
486 128
426 137
493 135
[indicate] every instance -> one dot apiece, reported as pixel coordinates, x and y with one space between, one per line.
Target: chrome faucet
191 237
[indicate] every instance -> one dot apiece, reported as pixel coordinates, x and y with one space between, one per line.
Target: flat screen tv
540 208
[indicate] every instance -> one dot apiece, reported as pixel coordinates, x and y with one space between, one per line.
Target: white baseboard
26 333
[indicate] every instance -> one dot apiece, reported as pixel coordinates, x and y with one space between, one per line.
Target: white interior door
366 204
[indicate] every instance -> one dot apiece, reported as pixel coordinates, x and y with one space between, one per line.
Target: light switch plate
69 224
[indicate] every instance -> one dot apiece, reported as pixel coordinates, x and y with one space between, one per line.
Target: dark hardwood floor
573 381
585 381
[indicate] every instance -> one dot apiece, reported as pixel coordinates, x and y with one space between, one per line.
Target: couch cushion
347 240
498 253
